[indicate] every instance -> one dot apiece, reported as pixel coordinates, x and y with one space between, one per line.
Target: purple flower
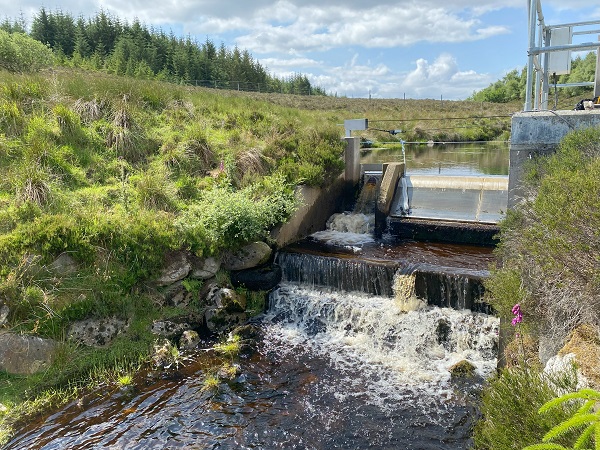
516 310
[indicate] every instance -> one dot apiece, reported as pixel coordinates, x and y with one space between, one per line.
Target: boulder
165 355
177 267
259 279
204 268
63 265
169 329
247 257
227 299
25 355
189 340
584 344
249 336
97 332
177 295
218 320
462 369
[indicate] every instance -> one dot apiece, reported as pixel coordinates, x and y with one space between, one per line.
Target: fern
546 446
585 437
588 415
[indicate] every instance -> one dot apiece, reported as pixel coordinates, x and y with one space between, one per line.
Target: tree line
513 85
104 42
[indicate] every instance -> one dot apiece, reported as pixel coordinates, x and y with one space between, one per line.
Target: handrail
539 51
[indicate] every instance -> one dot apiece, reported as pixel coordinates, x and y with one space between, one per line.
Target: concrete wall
539 133
317 205
352 159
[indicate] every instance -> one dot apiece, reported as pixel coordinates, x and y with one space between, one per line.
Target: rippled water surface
332 371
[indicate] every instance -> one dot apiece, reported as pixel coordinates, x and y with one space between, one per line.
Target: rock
4 312
220 321
584 343
25 355
169 329
96 332
165 355
247 332
189 340
229 372
226 299
247 257
548 346
249 336
204 268
258 279
176 268
462 369
177 295
63 265
443 332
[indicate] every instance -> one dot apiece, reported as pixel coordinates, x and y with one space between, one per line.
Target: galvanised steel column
532 19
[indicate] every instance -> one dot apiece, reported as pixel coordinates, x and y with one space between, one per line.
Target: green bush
20 53
225 218
550 244
549 248
510 419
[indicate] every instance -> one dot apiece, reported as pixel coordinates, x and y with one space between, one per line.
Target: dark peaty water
333 371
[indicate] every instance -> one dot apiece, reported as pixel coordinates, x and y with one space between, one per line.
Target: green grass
510 405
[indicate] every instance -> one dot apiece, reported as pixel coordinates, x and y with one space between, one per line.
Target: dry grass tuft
89 111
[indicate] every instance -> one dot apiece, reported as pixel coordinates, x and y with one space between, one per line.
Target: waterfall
399 352
338 273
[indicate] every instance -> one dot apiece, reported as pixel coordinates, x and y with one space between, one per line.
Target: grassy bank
549 247
116 172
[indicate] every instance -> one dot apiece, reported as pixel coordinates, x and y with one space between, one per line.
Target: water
333 371
464 159
349 358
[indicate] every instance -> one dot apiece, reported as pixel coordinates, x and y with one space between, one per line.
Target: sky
356 48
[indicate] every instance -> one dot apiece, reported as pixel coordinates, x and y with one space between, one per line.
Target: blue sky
355 48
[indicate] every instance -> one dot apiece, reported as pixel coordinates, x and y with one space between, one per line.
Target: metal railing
541 47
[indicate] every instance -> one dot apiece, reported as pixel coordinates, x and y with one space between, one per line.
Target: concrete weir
460 209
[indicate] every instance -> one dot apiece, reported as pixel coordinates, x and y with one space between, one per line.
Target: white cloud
427 80
377 27
443 77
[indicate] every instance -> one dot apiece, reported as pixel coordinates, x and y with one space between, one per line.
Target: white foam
348 230
399 352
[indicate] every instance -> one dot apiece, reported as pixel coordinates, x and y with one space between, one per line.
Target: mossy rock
462 369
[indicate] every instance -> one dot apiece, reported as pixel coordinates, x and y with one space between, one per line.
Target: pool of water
479 158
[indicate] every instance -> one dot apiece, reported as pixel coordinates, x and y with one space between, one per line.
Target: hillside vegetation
549 247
